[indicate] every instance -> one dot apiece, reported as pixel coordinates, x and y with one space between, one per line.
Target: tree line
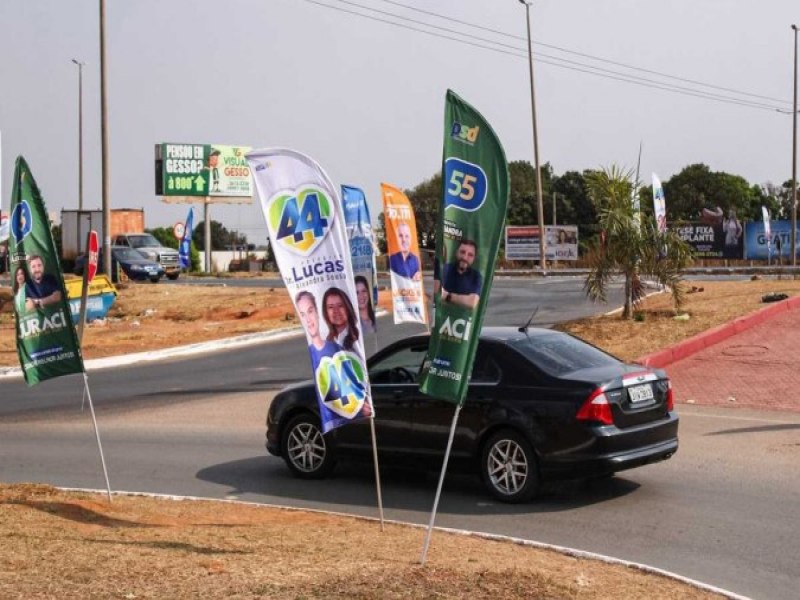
694 188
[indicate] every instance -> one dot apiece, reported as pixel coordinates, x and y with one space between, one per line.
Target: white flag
307 232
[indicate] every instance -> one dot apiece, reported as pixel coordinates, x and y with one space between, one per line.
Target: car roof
508 333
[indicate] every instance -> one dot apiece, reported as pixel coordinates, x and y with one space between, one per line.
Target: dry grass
708 304
76 545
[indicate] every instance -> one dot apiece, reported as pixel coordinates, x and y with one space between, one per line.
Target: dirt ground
76 545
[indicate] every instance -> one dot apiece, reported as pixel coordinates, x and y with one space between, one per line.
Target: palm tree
629 247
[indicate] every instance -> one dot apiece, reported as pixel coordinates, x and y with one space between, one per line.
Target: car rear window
559 353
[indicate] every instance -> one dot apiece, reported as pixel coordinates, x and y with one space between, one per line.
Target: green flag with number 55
475 186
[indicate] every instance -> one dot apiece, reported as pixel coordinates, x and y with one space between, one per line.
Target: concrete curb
574 553
695 344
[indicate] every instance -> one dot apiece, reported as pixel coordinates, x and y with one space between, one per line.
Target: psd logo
341 381
300 221
466 185
21 221
462 133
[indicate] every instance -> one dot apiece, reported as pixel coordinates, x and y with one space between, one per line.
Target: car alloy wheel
305 450
509 467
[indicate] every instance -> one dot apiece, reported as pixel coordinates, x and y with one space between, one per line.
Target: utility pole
104 143
794 156
80 132
554 208
539 198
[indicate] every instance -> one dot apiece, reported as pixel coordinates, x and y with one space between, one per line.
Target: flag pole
97 433
377 470
439 487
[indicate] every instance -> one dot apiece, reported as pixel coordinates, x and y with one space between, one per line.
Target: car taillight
670 398
596 408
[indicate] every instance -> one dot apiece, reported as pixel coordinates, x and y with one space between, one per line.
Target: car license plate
640 393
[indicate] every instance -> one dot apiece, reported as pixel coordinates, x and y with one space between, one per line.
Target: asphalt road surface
722 510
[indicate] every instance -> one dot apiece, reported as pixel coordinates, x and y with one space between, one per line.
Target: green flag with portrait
475 185
47 344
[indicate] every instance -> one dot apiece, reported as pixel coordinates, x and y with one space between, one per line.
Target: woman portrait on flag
340 318
366 312
20 282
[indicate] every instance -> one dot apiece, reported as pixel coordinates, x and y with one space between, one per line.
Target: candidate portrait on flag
306 227
405 266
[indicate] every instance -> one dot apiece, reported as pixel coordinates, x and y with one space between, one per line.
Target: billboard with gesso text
202 170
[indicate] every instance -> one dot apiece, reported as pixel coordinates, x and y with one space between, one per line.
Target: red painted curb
662 358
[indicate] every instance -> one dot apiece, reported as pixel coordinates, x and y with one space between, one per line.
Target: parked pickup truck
148 245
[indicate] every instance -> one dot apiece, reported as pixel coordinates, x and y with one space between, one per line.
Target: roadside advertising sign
405 267
203 170
47 343
522 242
362 251
3 228
471 218
307 232
659 205
780 237
185 246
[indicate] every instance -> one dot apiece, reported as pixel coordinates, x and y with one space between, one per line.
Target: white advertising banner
307 232
659 205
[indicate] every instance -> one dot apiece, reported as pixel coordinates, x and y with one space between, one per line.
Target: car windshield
128 254
402 366
142 241
559 353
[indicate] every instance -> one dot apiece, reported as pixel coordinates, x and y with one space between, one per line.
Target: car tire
508 467
173 276
155 279
304 448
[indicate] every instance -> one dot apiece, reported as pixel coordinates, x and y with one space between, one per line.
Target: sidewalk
753 362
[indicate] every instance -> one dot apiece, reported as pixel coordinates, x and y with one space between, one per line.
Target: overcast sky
366 98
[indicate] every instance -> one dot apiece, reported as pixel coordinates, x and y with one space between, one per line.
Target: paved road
268 366
722 510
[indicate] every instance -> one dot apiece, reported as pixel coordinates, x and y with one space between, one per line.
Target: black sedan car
127 263
541 405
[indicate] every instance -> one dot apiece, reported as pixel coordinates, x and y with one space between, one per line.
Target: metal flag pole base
439 487
377 470
97 433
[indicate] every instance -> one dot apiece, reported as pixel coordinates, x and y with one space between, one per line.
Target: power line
517 52
582 54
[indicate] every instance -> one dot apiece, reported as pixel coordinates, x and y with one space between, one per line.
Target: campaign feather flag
185 247
405 267
307 232
362 244
767 230
475 185
659 205
47 343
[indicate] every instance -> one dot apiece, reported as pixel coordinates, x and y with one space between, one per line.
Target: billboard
522 242
716 237
755 240
193 171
